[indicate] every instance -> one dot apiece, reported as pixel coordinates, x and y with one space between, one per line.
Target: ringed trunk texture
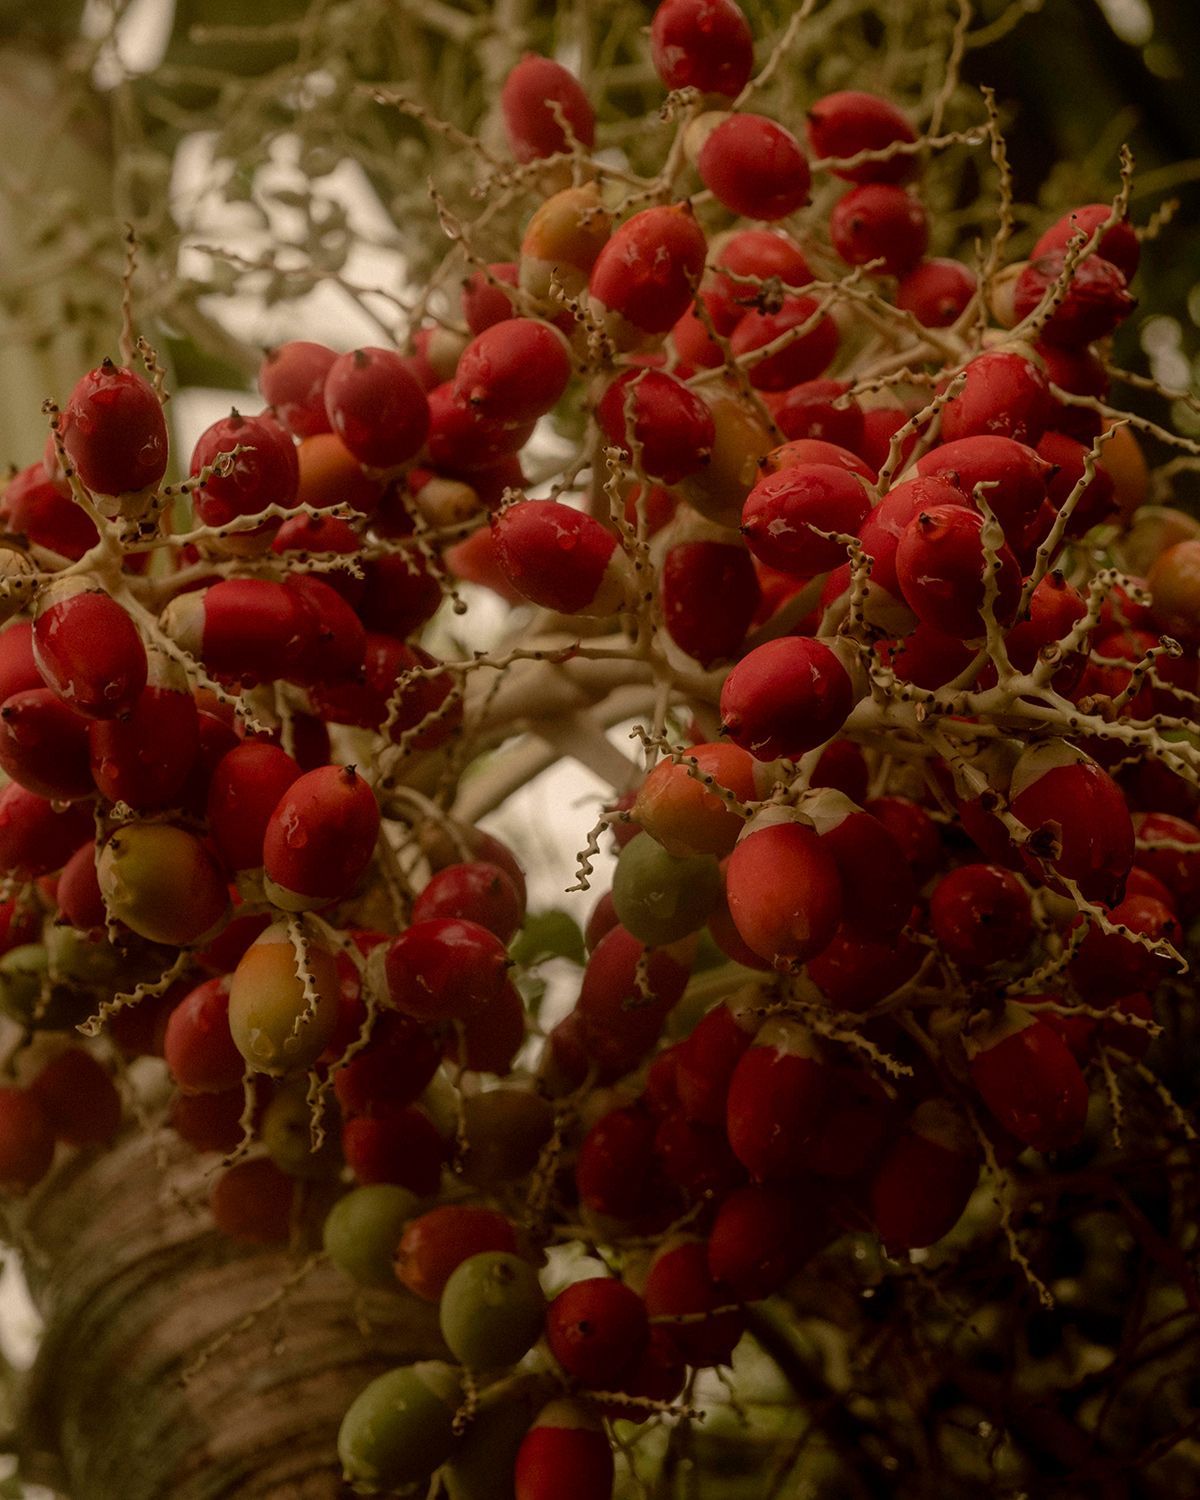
134 1283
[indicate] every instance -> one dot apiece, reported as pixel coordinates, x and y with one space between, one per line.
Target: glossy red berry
444 969
244 790
485 303
436 1243
1004 393
565 1452
702 44
560 558
292 381
596 1329
266 473
925 1178
377 407
754 167
680 1285
786 697
320 838
672 429
776 1098
41 508
643 279
937 292
198 1045
981 915
850 121
784 513
1119 244
35 835
514 371
247 629
476 891
401 1147
941 567
88 650
1027 1077
879 222
114 431
801 357
1096 299
693 575
784 891
44 745
145 758
532 127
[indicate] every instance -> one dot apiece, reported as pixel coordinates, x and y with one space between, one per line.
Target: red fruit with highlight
531 124
320 838
402 1147
937 292
444 969
693 575
754 167
941 567
1005 394
879 222
114 431
850 121
786 697
801 357
644 277
596 1329
514 371
44 745
377 406
292 381
777 1095
1027 1077
245 789
560 558
198 1046
673 430
679 1284
436 1243
784 513
88 650
702 44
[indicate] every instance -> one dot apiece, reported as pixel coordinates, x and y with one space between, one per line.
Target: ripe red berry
477 891
785 511
1096 299
761 1236
44 745
320 838
980 915
673 431
245 789
483 302
754 167
596 1329
693 575
1004 393
248 629
1027 1077
560 558
402 1147
26 1140
35 835
643 278
1168 847
784 891
532 126
436 1243
850 121
1115 963
673 806
377 407
198 1046
145 759
266 473
807 410
393 1068
88 650
777 1094
702 44
617 1023
367 703
616 1172
871 865
925 1178
565 1452
79 1098
1118 244
941 568
786 697
1014 476
444 969
114 432
679 1284
41 508
802 357
292 381
879 222
937 292
514 371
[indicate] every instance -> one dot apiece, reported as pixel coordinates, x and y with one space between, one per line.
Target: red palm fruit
659 1095
399 594
816 451
79 1098
489 1040
854 975
402 1147
673 429
883 527
320 838
275 1025
616 1171
35 837
446 846
808 411
560 558
753 166
1096 503
706 1058
474 560
937 292
44 745
845 123
1014 475
746 261
514 371
208 1122
1024 1072
680 1285
922 1184
913 829
786 697
695 1158
802 357
336 639
331 475
114 431
618 1026
1109 681
761 1237
878 221
870 862
292 381
1055 607
436 1243
462 440
198 1045
596 1329
443 969
377 406
366 704
311 536
674 806
26 1140
1078 819
41 508
784 513
145 760
1140 883
1081 372
484 303
77 892
391 1070
163 884
1119 244
980 915
266 473
702 44
252 1203
1115 964
246 787
476 890
941 567
1005 394
693 575
694 344
249 630
1095 302
880 426
858 1123
215 736
784 890
225 951
723 931
926 656
88 650
565 234
532 126
565 1452
1159 837
643 279
777 1094
1078 1032
18 670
